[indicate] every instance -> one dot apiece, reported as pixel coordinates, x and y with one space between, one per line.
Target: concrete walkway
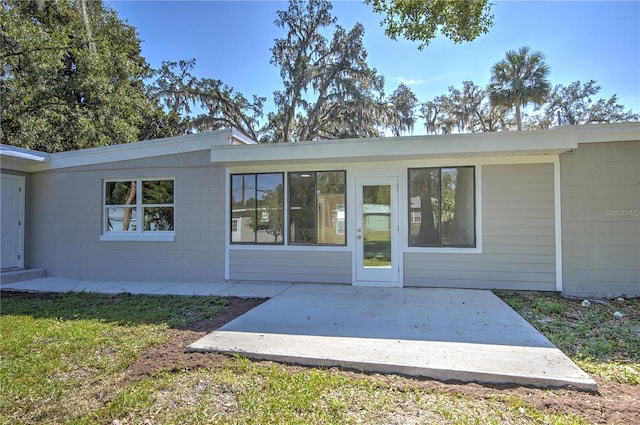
446 334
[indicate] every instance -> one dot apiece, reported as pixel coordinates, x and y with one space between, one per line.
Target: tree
329 90
574 105
401 115
179 90
421 21
72 77
519 79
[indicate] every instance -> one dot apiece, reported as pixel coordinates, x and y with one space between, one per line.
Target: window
442 207
317 208
257 208
139 206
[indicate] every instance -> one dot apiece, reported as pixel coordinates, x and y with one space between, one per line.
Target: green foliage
422 20
179 90
519 79
575 104
329 90
72 77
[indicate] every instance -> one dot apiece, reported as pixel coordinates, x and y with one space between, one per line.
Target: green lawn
63 360
596 340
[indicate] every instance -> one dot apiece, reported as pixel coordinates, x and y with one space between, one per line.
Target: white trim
558 221
388 277
543 142
392 167
139 234
137 237
141 150
478 223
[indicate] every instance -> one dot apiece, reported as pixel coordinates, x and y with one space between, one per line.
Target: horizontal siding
518 249
290 266
601 242
65 232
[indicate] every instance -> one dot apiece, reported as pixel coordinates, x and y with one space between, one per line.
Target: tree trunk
428 233
518 116
126 220
82 10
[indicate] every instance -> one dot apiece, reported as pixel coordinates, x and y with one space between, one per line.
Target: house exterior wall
308 266
600 185
67 222
518 244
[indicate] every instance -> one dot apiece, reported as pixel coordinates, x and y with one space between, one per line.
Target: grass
596 340
63 360
78 343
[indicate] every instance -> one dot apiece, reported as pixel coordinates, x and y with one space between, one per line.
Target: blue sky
231 41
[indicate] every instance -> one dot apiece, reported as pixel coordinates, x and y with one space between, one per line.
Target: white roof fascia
542 142
238 138
20 159
602 133
138 150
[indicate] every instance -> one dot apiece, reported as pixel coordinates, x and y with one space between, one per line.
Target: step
13 276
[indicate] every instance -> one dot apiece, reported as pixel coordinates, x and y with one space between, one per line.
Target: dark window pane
270 214
424 207
120 193
330 214
157 192
457 206
243 207
157 219
302 200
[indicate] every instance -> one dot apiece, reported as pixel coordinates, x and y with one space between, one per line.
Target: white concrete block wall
65 232
601 219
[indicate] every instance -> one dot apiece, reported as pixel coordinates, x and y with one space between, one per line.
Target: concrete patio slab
222 289
447 334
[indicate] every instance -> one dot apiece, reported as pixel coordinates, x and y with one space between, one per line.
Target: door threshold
378 284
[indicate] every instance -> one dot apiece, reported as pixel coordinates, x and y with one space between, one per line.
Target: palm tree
518 79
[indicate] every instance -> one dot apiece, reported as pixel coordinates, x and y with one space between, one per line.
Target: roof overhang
550 142
31 161
19 159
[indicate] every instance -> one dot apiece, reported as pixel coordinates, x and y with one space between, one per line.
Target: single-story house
551 210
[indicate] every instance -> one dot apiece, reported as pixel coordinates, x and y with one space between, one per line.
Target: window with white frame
442 207
139 206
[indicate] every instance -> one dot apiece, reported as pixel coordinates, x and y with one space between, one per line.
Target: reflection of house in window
338 213
414 210
376 217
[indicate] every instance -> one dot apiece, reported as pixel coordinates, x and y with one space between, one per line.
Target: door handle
359 237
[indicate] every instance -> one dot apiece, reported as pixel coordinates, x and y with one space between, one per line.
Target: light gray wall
518 249
600 185
66 223
290 266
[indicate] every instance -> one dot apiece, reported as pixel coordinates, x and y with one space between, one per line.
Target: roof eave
401 148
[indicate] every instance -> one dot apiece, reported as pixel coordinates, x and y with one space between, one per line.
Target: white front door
377 260
11 218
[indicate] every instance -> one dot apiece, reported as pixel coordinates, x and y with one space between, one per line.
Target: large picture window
442 207
317 208
139 206
257 208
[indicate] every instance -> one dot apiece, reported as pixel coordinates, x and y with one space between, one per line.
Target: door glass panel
376 226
